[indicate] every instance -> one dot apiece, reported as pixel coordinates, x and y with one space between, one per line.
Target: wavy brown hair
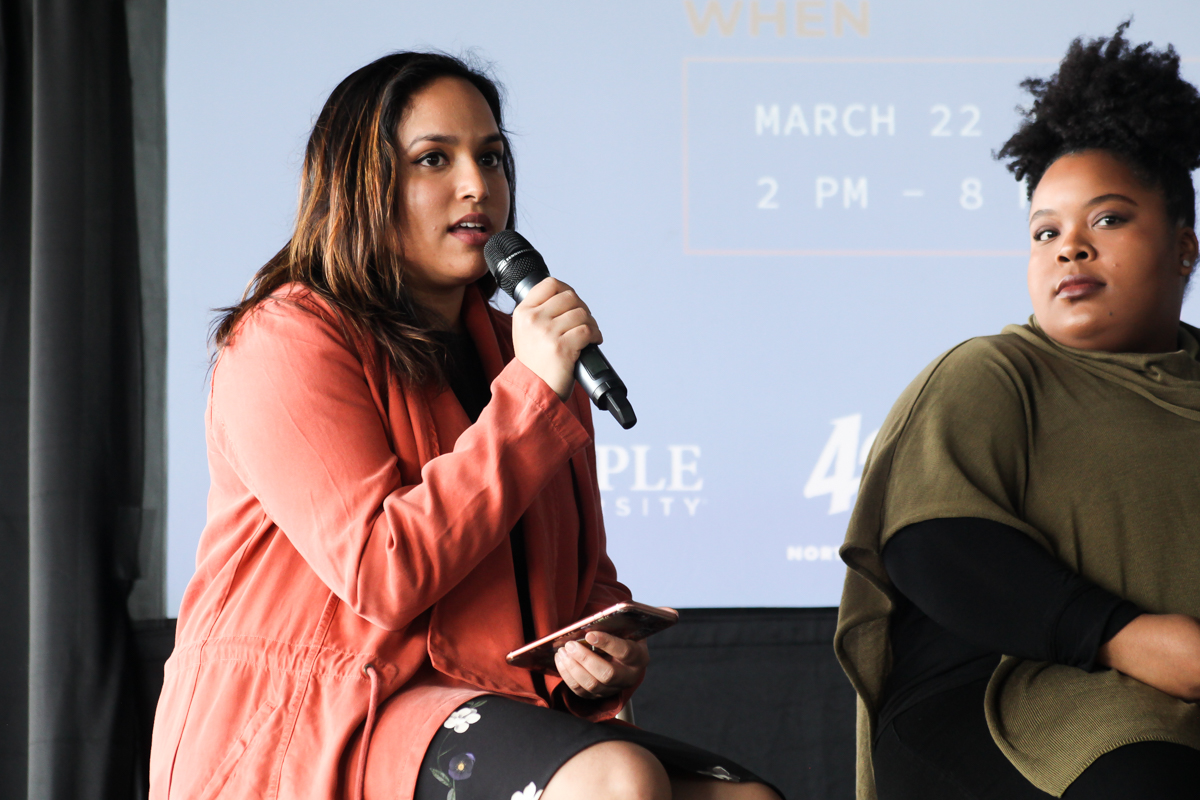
346 244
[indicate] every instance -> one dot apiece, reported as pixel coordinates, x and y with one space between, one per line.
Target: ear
1189 251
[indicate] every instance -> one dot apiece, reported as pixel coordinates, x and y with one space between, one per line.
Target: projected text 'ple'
850 156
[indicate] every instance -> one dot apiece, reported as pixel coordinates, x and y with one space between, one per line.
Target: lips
1074 287
472 229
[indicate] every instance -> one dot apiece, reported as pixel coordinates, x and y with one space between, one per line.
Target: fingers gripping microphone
517 267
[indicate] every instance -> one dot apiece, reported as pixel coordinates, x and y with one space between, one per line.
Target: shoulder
956 442
292 313
984 378
294 330
984 363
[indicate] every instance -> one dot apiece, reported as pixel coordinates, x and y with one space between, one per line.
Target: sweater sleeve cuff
1090 618
1121 616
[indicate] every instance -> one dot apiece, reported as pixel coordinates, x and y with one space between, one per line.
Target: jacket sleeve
606 590
297 420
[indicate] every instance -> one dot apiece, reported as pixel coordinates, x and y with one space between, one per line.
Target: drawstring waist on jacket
368 728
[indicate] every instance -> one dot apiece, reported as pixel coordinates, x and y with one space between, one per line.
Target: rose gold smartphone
628 620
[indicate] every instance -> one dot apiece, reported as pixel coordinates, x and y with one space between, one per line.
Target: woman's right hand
550 328
1160 650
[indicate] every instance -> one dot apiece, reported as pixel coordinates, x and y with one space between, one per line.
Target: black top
468 380
465 373
971 589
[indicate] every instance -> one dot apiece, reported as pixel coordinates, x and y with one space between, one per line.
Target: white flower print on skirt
462 719
531 792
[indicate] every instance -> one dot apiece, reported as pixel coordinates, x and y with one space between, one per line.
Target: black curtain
81 353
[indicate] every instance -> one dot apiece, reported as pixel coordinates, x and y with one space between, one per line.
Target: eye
434 159
491 160
1044 234
1109 220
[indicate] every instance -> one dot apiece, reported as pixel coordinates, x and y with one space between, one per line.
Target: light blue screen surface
779 212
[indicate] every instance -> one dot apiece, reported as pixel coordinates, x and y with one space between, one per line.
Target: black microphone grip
518 267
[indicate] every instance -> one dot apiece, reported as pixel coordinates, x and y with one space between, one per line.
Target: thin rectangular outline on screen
689 60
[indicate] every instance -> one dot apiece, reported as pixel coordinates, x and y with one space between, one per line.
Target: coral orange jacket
354 582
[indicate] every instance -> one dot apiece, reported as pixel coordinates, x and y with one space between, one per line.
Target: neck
445 305
1163 335
1163 339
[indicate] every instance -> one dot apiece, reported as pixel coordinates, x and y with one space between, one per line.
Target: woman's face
453 192
1107 268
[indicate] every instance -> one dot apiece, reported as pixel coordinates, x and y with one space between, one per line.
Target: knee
690 788
611 771
636 774
757 791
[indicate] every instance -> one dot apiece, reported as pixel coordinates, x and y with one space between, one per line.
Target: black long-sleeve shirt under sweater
973 589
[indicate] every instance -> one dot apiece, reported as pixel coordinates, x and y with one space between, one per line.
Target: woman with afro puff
1020 617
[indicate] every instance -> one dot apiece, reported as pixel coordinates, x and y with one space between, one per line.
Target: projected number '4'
837 471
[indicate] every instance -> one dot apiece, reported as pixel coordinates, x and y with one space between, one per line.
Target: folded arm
993 586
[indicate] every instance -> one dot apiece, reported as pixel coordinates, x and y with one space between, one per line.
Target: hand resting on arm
1161 650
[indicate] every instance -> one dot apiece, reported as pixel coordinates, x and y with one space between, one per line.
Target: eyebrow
1113 196
1095 201
444 138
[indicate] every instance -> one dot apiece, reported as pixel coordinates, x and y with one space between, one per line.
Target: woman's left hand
604 669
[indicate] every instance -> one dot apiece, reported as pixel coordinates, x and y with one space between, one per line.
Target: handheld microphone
518 267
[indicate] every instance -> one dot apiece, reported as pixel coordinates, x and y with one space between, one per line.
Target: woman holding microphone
403 490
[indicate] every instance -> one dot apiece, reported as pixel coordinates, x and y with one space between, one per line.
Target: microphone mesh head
511 258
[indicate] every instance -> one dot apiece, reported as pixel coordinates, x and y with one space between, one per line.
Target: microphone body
518 267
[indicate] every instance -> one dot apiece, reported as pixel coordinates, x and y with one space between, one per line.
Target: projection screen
778 211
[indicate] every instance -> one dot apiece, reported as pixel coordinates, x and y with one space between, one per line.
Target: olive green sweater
1096 456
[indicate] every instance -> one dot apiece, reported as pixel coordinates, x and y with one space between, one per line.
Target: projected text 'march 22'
851 156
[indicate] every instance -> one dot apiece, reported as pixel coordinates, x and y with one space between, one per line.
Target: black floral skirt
494 748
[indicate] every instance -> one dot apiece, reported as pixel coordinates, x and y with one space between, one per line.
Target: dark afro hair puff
1129 101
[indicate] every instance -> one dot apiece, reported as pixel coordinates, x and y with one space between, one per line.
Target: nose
472 185
1074 247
